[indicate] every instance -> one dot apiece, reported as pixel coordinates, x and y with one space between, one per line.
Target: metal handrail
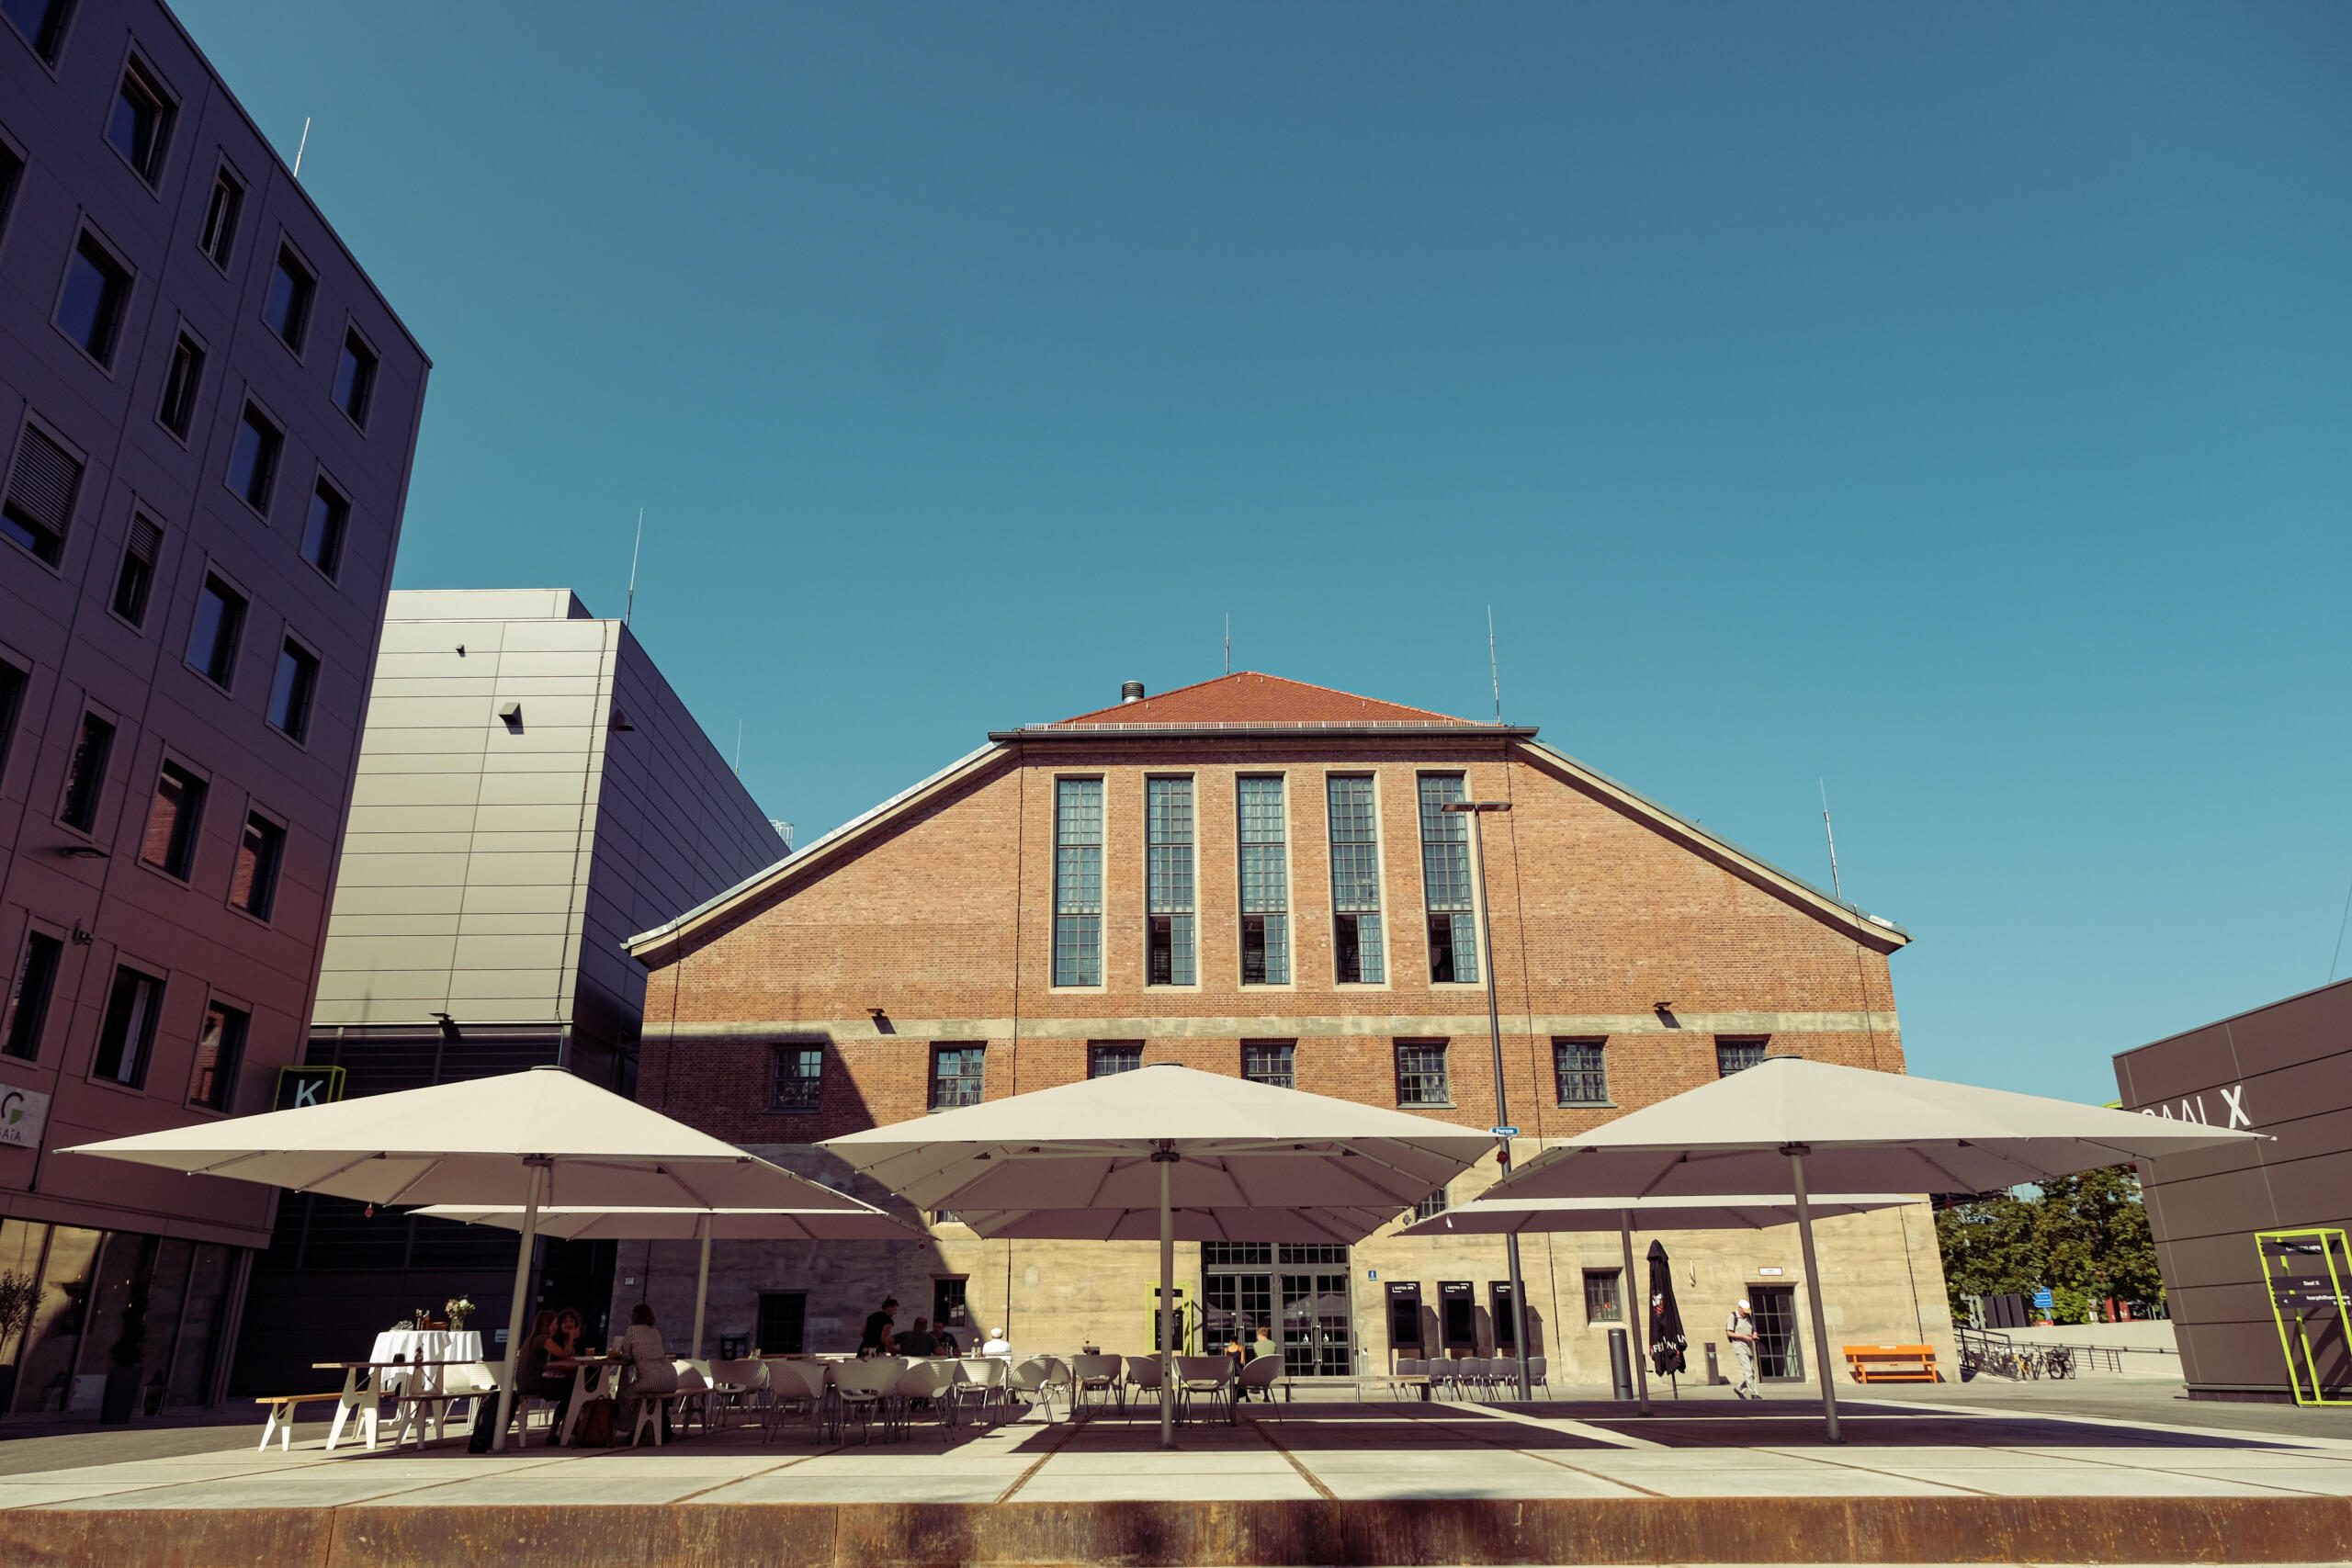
1985 1350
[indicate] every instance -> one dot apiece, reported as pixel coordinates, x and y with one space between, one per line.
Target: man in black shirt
876 1341
915 1341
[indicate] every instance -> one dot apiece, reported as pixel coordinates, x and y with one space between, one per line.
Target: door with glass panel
1779 1355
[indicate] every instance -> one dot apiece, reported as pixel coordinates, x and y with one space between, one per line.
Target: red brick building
1251 875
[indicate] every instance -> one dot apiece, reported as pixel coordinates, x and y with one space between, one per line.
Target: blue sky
1947 401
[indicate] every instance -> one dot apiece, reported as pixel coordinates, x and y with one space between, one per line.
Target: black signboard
1458 1309
1405 1315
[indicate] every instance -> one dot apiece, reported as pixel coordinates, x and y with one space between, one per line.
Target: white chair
792 1387
1539 1373
1142 1378
739 1385
863 1389
1038 1378
1206 1377
1095 1375
982 1382
1444 1376
696 1392
928 1384
1472 1375
1258 1377
1502 1377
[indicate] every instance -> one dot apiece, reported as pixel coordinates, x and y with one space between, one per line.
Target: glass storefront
141 1311
1299 1291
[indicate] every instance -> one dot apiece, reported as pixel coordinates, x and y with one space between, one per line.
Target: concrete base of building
1262 1532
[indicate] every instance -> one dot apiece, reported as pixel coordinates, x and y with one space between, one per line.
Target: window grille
1265 884
798 1085
955 1076
1421 1073
1582 1075
1168 811
1103 1059
1271 1062
1237 1255
1078 882
1355 880
1293 1253
1431 1206
1602 1300
1737 1055
1445 879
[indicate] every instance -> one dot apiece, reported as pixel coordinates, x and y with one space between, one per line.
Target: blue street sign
1504 1132
2043 1299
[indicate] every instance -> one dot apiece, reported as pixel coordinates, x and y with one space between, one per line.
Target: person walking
1740 1329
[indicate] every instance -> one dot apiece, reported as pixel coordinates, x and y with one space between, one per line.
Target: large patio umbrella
1528 1216
537 1138
1787 1123
1189 1149
1667 1337
864 1224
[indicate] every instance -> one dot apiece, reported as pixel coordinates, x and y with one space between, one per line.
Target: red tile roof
1247 697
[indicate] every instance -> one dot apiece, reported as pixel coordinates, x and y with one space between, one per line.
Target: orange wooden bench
1893 1363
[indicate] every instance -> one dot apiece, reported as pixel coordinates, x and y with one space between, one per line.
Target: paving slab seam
754 1476
1068 1429
2140 1469
2269 1440
1886 1475
1305 1475
1570 1426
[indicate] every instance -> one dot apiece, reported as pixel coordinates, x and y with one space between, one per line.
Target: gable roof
1248 696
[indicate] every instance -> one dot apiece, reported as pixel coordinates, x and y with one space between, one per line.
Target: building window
173 821
90 310
35 978
12 683
219 1050
12 174
1104 1058
132 583
1445 879
322 531
798 1079
1355 881
1433 1205
253 459
1737 1055
1274 1062
1580 1072
253 887
1168 815
1421 1073
85 774
949 1312
354 378
955 1076
784 1317
1603 1301
219 236
128 1033
1078 882
286 307
41 21
140 124
41 488
178 410
1265 884
219 623
290 691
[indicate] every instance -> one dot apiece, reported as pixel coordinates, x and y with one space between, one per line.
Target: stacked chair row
1473 1377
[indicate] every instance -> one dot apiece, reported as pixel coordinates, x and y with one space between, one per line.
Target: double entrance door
1298 1291
1779 1355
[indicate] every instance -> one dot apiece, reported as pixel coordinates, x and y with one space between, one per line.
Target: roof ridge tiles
1253 696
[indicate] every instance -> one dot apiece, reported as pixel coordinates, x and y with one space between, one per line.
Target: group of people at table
881 1339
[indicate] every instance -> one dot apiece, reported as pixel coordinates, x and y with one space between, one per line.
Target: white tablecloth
424 1345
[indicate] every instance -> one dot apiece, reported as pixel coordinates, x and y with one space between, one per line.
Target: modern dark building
206 419
2285 1070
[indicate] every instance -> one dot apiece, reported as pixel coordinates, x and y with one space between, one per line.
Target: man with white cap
1740 1329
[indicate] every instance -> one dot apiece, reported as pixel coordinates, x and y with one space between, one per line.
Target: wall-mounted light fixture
512 713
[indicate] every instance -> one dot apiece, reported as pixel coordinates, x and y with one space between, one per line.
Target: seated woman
533 1377
647 1370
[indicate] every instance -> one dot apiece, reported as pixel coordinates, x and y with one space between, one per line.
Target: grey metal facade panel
57 623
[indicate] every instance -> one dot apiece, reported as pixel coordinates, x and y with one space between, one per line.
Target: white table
424 1345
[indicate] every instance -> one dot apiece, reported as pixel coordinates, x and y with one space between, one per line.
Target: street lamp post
1476 810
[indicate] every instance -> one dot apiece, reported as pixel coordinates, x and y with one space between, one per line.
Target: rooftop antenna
739 748
1494 666
633 552
1835 885
300 145
1228 642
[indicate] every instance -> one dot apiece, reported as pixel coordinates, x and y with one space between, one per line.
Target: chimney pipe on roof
1131 693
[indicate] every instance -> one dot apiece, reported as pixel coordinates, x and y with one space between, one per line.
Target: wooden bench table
1893 1363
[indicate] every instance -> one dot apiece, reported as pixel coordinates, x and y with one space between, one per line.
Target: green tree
2085 1236
1991 1246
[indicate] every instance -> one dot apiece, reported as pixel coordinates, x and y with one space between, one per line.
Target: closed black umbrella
1667 1338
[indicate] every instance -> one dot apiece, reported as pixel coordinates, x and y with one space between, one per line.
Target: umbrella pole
1641 1354
702 1285
1166 1162
538 1165
1812 1291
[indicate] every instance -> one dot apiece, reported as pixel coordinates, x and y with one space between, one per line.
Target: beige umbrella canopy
1808 1126
1188 1148
706 1225
529 1138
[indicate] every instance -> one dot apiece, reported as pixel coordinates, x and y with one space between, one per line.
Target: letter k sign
306 1092
2233 1098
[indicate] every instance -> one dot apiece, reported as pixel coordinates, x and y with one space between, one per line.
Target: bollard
1714 1377
1621 1363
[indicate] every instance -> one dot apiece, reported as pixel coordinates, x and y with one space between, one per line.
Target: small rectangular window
798 1081
784 1317
1168 877
90 310
955 1075
286 307
291 692
128 1033
1357 950
27 998
1421 1073
1274 1062
354 378
41 21
322 531
139 125
181 385
12 175
218 239
1603 1303
1105 1057
1078 882
219 624
253 887
1445 879
132 583
1433 1205
86 774
1265 883
219 1050
41 490
253 459
1738 1056
13 683
949 1311
1580 1072
173 821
